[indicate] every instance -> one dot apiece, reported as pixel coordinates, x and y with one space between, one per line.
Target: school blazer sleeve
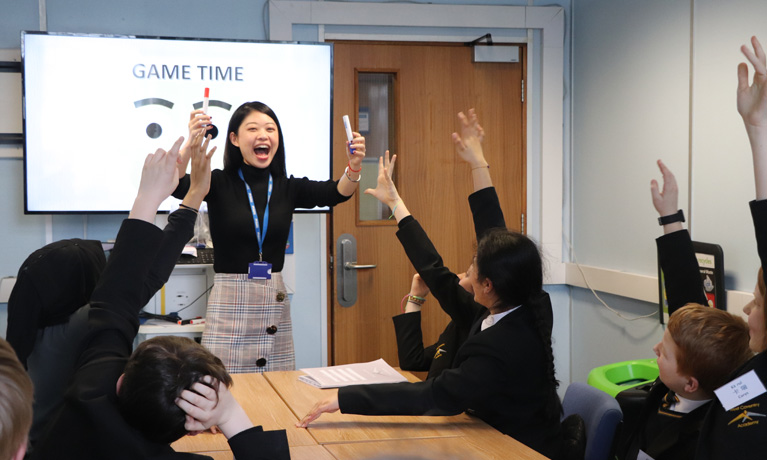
680 270
486 211
442 283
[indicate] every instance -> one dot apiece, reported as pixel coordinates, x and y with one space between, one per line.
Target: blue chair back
601 414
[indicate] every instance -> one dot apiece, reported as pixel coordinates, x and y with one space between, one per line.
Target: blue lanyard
259 236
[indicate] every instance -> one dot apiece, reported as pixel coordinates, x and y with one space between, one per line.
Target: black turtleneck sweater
231 221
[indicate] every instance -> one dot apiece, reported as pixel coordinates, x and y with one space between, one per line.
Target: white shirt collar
493 319
685 406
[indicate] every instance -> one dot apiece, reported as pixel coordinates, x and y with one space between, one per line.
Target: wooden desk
278 400
338 427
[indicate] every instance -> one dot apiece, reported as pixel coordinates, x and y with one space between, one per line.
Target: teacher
250 208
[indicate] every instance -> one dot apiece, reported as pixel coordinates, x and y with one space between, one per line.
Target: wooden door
431 84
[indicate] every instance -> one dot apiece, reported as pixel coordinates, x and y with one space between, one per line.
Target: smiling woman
250 205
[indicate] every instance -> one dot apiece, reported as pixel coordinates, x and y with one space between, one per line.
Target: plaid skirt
248 324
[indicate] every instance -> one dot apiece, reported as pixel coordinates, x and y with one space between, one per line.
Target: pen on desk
198 320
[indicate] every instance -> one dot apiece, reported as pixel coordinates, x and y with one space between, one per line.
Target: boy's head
701 347
16 395
155 375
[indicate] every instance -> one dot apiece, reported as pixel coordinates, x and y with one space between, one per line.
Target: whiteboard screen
94 106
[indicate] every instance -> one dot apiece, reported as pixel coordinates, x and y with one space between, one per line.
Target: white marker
348 126
205 100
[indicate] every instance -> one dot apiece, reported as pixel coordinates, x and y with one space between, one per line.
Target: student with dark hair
504 372
487 214
98 417
250 207
15 404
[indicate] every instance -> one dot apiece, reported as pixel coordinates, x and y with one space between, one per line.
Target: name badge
740 391
260 271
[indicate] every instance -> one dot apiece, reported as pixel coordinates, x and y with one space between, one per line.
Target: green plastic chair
616 377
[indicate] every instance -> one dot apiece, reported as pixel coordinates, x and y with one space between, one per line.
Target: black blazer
413 356
499 375
89 423
742 431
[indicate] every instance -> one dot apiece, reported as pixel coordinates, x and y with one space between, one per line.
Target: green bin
616 377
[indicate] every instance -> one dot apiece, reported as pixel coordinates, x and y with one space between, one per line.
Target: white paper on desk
378 371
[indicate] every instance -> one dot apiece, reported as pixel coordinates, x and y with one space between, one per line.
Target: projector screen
95 105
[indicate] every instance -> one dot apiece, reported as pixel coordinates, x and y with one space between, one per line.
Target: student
487 214
504 372
15 404
250 206
123 406
741 432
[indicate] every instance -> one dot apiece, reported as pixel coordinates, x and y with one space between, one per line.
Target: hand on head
468 145
326 405
209 403
666 201
752 99
158 180
385 191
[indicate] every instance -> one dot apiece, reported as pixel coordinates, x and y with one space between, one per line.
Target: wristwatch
671 218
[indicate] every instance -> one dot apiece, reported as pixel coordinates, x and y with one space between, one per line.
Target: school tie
669 400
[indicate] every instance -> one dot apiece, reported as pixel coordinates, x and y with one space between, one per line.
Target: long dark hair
513 263
233 155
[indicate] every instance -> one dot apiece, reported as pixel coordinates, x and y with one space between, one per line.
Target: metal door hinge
523 90
522 223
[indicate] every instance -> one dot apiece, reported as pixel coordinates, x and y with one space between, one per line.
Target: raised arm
675 252
752 106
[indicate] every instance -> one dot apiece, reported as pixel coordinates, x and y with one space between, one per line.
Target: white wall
655 79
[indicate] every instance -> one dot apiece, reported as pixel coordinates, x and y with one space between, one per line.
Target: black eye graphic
153 130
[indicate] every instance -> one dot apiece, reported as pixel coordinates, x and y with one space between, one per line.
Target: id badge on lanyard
259 269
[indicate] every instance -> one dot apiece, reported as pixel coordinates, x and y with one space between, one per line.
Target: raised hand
200 177
356 151
666 201
325 406
752 99
468 145
385 191
199 122
158 180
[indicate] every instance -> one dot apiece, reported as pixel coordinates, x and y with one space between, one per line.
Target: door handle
346 270
354 266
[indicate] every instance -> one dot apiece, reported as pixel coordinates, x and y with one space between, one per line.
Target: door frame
544 27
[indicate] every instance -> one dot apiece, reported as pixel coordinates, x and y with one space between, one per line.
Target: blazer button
261 362
271 330
280 296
